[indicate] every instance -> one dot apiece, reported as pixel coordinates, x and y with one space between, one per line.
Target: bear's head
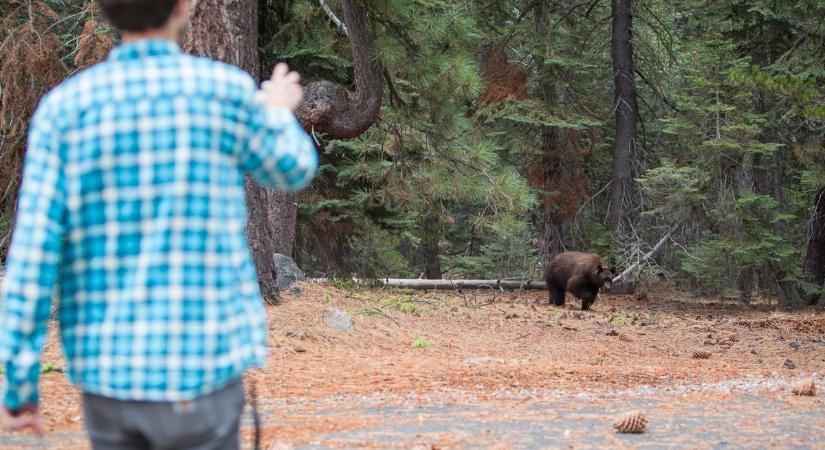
603 276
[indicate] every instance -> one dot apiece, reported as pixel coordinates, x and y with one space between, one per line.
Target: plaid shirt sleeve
277 153
32 264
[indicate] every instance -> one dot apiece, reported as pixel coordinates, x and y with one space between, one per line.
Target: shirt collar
143 48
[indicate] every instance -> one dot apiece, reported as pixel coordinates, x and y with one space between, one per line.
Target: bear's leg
587 299
556 294
585 294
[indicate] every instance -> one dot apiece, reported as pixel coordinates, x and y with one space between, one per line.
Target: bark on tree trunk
429 248
624 98
228 32
544 220
271 230
814 264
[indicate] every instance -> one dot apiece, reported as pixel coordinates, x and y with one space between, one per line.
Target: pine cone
805 388
701 354
634 422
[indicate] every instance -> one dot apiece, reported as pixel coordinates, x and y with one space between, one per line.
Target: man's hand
27 417
283 90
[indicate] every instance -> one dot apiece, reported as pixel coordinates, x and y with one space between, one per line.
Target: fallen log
461 284
412 283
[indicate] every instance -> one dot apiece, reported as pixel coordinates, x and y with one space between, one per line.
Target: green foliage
739 119
425 161
622 319
375 252
485 168
420 343
507 251
674 191
404 305
48 367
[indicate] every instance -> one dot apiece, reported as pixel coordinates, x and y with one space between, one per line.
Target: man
132 203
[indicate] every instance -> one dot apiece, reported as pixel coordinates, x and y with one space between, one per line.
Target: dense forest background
474 138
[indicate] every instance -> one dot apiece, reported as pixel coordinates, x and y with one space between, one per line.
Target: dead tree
814 264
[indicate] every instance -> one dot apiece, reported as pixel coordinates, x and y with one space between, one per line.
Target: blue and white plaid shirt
132 202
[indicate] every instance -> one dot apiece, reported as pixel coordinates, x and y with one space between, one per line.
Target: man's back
138 166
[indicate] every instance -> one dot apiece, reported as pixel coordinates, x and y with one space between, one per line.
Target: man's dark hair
137 15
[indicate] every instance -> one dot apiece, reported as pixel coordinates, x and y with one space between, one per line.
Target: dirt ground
420 367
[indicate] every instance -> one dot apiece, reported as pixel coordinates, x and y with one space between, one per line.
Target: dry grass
485 345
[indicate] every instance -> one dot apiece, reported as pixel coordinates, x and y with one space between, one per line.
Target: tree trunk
271 230
814 264
545 221
499 284
428 249
228 32
624 102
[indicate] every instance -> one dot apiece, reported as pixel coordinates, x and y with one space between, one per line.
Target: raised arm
276 151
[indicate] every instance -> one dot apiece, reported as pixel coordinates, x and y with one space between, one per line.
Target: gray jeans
210 422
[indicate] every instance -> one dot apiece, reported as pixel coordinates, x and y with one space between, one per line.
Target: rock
339 320
293 290
288 272
788 364
794 344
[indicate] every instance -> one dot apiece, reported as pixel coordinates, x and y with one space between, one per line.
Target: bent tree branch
327 107
647 255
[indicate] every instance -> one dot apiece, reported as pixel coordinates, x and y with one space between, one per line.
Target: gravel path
741 421
754 413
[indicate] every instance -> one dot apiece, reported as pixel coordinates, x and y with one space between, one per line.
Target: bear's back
565 265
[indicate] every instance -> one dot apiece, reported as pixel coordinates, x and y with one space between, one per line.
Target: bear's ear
599 268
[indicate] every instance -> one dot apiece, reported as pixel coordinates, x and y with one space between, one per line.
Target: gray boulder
338 320
288 272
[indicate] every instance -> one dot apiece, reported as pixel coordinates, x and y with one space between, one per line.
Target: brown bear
581 274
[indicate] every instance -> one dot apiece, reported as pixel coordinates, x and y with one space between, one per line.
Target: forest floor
485 369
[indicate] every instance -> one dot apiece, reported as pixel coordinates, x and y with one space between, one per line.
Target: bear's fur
581 274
